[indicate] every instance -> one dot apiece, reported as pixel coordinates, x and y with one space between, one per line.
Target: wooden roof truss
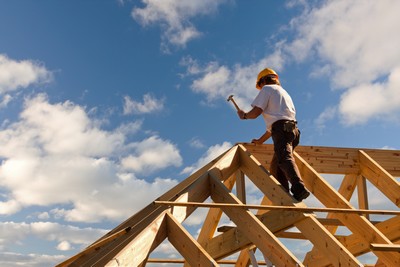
262 227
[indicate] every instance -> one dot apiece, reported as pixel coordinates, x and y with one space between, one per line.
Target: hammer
230 98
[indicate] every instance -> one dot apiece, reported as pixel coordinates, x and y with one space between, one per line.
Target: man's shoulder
272 87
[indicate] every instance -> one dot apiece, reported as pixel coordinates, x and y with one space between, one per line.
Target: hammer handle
234 103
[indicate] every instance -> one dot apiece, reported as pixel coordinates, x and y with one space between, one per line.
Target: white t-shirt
276 104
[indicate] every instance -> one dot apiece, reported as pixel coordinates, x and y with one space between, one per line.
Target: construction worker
279 113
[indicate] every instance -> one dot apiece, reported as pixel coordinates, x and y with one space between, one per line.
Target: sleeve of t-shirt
261 100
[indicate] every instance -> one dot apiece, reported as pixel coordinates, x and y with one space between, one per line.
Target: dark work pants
283 166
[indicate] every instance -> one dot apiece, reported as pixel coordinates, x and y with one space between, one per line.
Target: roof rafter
134 241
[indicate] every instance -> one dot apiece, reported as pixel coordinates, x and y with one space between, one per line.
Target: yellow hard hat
263 73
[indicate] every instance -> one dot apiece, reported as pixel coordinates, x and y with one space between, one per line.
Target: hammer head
229 98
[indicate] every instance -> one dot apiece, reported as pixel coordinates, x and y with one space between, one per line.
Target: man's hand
263 138
241 114
257 141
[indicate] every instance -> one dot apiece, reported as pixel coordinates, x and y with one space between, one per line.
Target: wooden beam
213 217
257 232
227 243
385 247
378 166
333 160
98 245
169 195
243 260
362 194
379 177
186 245
271 207
261 177
244 256
346 189
355 223
271 188
240 186
198 191
323 159
234 240
326 243
180 261
357 246
138 249
252 257
138 221
227 165
275 192
264 181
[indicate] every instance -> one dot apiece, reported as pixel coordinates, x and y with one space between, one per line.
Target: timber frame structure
219 186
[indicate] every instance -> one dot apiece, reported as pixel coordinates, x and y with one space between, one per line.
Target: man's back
276 104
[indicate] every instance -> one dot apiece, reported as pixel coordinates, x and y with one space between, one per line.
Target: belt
287 125
283 122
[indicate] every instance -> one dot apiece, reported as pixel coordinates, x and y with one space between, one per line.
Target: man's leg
278 174
286 163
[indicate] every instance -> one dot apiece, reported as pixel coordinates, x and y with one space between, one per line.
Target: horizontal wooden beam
270 207
334 160
180 261
337 222
385 247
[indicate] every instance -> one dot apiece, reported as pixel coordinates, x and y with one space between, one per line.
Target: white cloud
6 99
196 143
60 129
356 37
127 129
366 101
152 154
150 104
174 16
43 216
9 207
212 153
328 114
66 235
217 82
64 246
350 41
20 74
213 81
56 154
121 2
356 47
32 260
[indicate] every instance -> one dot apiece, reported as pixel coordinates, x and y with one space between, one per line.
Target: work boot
299 192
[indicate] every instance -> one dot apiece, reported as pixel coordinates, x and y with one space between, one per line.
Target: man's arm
263 138
252 114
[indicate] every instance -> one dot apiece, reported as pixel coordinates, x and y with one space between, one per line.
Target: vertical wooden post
362 194
240 186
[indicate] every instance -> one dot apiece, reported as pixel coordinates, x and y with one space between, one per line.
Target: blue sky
105 105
